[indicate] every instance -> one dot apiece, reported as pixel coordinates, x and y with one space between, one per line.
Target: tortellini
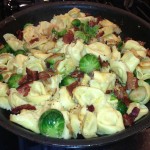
37 93
109 121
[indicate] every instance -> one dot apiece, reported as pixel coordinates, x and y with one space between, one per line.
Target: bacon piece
34 40
132 82
100 34
103 63
91 108
77 74
23 80
3 69
120 93
99 18
134 113
92 23
19 35
18 109
128 121
71 87
45 74
68 37
148 53
32 75
24 89
141 43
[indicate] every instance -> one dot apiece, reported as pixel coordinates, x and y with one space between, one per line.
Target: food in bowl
74 75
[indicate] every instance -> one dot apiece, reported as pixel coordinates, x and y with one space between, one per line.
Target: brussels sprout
54 58
121 107
13 81
89 63
67 81
52 123
76 22
138 94
19 52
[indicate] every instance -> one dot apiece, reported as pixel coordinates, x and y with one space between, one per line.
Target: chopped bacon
3 68
77 74
109 91
24 89
132 82
32 75
19 35
128 121
103 63
134 113
18 109
120 93
68 37
90 108
72 86
23 80
100 34
45 75
148 53
34 40
92 23
76 29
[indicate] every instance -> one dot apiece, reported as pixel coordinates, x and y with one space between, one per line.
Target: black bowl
131 25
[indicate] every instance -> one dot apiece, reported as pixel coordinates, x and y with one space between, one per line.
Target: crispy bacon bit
19 35
134 113
32 75
103 63
24 89
23 80
109 91
1 45
3 68
72 86
132 82
120 93
100 34
45 75
18 109
90 108
76 29
92 23
77 74
68 37
148 53
128 121
34 40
